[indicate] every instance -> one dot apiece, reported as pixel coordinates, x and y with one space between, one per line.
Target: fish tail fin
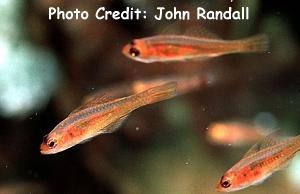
160 93
257 43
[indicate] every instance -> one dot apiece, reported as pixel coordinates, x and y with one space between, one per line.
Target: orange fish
264 158
98 116
233 133
163 48
185 84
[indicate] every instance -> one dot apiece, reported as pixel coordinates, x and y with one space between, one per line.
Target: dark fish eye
225 183
134 52
132 43
51 143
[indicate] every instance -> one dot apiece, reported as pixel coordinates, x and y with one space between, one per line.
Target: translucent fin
270 140
297 137
113 126
92 102
188 29
115 91
86 140
287 163
201 32
259 181
175 28
257 43
159 93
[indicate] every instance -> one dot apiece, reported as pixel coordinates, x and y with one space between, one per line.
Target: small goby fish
264 158
163 48
185 84
235 133
100 115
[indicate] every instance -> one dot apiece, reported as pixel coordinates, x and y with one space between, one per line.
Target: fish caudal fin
257 43
160 93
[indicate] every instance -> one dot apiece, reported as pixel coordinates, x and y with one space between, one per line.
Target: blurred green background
47 67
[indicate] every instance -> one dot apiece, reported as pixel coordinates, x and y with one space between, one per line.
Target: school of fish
101 114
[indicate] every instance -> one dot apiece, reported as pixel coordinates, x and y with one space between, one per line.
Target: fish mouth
219 188
43 149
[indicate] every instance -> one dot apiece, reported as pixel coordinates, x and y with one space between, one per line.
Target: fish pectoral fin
94 101
269 140
110 128
113 126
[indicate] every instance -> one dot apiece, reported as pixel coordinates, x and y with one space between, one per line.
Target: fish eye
225 183
51 143
134 52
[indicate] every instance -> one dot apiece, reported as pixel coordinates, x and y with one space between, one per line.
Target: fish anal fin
94 101
270 140
286 163
86 140
113 126
259 181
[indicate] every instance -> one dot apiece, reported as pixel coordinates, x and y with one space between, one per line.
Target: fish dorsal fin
175 28
188 29
94 101
201 32
270 140
113 126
